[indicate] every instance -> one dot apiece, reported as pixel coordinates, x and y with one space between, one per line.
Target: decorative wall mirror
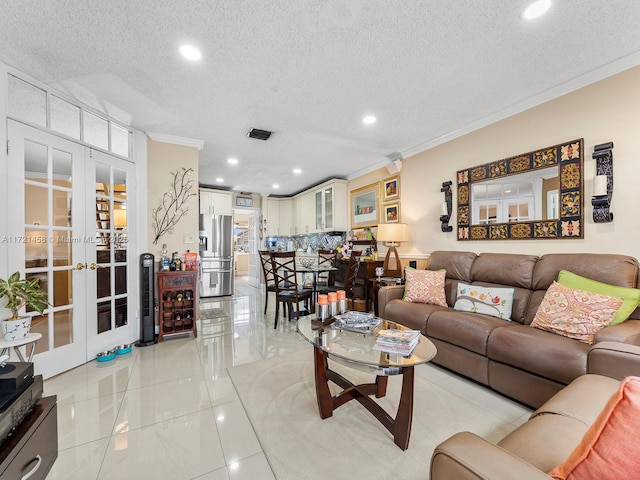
533 195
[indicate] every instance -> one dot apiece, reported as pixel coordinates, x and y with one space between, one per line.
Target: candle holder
447 207
603 183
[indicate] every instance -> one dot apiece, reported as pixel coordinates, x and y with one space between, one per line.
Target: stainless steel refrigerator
216 255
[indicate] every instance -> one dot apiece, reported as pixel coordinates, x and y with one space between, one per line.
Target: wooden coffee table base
400 427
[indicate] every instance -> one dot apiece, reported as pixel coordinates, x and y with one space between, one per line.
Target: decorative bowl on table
307 262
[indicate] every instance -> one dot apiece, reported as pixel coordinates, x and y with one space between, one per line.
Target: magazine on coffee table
359 322
399 342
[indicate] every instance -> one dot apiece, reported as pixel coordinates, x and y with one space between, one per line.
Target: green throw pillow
631 296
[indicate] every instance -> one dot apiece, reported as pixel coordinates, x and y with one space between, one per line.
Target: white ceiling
309 70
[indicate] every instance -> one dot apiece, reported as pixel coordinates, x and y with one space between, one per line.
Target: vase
16 329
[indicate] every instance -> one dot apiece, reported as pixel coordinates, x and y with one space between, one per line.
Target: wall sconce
603 183
446 207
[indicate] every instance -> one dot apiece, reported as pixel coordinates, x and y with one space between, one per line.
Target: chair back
352 273
327 258
267 267
283 265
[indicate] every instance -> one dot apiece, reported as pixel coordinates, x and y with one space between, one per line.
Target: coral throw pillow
575 313
610 449
631 295
425 286
494 301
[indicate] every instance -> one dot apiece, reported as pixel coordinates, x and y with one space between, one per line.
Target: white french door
55 236
110 271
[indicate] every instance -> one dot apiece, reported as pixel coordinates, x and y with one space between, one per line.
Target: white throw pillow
494 301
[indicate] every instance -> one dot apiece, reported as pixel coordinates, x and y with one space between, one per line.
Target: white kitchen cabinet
330 203
271 213
286 217
216 202
305 213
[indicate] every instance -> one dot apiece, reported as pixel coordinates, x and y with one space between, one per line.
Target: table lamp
392 234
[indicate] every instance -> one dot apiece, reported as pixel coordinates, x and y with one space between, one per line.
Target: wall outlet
188 238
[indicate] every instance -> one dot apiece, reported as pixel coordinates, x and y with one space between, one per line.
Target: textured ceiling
310 70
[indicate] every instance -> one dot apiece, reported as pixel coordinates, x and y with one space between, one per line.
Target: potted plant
16 293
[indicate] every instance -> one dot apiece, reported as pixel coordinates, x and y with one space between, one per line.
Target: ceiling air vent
259 134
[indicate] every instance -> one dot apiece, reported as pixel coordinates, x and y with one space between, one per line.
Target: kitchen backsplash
312 242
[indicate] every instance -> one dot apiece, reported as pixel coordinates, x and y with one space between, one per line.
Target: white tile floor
169 411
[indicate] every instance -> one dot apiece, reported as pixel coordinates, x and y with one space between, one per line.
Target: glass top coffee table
355 350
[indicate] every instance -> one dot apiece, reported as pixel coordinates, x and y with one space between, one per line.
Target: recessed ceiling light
536 9
297 171
369 119
275 185
219 179
232 161
190 52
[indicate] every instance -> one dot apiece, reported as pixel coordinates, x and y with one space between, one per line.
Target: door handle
80 266
93 266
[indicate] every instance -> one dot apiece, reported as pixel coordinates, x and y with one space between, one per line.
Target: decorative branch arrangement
173 204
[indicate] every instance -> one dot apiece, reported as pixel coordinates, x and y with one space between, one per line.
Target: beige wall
162 159
606 111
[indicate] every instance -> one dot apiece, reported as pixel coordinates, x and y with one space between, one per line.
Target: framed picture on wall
391 212
391 188
365 206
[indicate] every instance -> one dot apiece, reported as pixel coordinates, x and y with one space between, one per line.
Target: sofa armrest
614 359
465 456
386 294
625 332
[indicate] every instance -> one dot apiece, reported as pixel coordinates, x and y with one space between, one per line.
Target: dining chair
267 275
288 290
349 278
326 258
352 274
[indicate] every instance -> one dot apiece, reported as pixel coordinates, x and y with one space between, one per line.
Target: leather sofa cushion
545 441
570 401
613 269
467 330
457 264
411 315
542 353
504 268
521 300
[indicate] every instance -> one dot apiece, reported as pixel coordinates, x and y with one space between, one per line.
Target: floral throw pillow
425 286
494 301
576 314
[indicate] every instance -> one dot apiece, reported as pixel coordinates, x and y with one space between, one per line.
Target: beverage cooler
216 255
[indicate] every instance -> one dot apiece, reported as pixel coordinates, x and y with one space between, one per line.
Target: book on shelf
400 342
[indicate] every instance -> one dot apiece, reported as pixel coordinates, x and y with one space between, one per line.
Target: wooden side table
31 338
383 282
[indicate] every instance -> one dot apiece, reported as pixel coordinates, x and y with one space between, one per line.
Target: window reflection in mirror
518 198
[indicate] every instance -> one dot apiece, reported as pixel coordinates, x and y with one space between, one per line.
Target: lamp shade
393 232
119 218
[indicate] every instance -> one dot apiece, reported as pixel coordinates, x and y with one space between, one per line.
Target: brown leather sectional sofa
552 432
524 363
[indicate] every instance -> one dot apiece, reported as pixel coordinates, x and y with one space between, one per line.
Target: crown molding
187 142
589 78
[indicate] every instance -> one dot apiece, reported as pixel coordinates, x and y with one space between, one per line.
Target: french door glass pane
104 316
62 243
121 312
40 324
61 208
36 248
63 328
61 166
62 287
35 162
